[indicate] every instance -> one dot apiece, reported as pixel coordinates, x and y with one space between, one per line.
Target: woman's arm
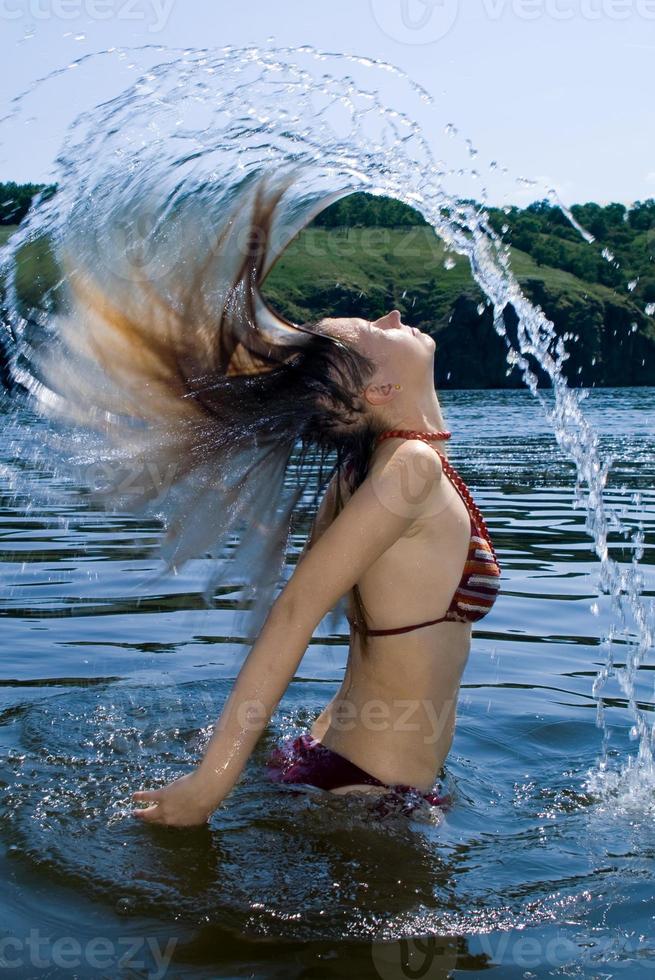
358 536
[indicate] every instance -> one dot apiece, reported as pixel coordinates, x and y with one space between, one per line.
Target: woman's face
401 354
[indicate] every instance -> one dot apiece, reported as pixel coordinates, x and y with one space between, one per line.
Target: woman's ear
380 394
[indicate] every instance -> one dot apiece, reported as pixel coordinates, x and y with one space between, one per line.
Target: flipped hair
192 374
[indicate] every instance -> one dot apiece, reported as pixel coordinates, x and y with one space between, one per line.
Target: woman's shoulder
413 454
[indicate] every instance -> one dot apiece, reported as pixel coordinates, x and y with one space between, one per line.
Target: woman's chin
424 337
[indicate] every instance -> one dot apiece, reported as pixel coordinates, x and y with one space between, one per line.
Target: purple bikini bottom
307 761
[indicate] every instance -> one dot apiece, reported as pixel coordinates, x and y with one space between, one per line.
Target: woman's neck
422 415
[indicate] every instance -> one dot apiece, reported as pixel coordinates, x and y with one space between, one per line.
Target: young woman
193 395
403 538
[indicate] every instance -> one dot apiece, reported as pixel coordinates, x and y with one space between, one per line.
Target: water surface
107 685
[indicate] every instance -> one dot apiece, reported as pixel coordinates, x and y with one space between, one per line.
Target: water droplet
593 609
633 284
607 254
451 130
649 309
449 263
480 309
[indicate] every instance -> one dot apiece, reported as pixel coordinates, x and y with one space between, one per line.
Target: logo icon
415 21
411 489
425 957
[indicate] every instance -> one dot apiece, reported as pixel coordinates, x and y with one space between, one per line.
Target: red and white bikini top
479 585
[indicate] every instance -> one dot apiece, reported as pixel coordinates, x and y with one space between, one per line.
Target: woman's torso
394 713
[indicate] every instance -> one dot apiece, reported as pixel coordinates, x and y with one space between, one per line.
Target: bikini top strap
470 503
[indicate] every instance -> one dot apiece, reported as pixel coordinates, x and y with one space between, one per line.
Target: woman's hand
186 802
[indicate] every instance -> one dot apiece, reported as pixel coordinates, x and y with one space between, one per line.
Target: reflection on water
107 686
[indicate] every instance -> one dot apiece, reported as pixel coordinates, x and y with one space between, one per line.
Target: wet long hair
193 382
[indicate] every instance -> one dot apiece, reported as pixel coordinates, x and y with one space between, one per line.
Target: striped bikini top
479 585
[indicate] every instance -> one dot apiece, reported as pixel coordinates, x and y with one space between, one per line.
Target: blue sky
558 90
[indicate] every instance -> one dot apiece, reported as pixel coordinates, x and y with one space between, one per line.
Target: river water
543 865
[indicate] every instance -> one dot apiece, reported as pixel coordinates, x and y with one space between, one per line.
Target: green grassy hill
331 270
367 271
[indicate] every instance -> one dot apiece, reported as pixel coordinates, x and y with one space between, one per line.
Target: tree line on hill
623 250
16 200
